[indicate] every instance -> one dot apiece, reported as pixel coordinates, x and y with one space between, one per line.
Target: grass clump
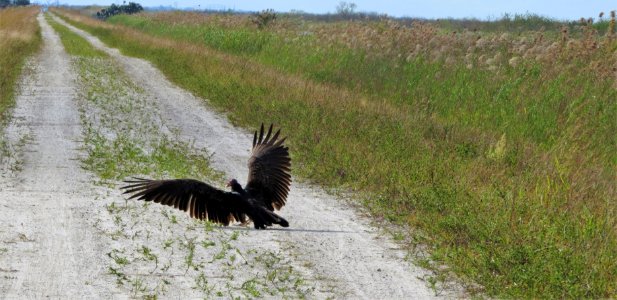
72 42
507 166
20 37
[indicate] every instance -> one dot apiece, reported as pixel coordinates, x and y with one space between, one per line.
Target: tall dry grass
391 38
19 37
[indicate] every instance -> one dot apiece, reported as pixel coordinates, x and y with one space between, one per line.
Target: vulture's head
235 186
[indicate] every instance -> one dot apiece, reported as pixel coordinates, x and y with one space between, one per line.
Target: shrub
263 18
346 8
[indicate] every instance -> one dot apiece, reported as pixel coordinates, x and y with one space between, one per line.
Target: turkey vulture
267 188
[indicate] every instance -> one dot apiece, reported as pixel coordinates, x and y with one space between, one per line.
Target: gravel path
47 249
326 236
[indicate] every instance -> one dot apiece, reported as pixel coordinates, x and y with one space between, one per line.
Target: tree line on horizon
112 10
6 3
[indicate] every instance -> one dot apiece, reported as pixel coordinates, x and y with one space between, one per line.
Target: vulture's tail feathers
264 217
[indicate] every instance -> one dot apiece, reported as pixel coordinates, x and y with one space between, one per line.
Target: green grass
509 176
241 41
72 42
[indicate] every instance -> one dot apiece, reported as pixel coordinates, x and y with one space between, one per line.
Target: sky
432 9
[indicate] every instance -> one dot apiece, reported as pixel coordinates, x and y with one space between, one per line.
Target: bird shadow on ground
289 230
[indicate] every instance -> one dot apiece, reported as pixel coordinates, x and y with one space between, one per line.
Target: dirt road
51 246
47 248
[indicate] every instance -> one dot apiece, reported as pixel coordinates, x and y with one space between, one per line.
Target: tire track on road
49 248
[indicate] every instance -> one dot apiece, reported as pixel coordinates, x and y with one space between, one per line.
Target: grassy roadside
124 136
510 175
20 37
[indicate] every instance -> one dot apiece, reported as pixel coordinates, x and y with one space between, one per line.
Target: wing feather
198 199
269 169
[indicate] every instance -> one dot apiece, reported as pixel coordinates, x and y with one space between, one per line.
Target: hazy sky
564 9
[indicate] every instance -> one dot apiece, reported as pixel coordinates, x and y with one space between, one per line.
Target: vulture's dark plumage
266 190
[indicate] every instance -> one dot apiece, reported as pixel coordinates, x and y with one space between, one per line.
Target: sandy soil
62 236
47 248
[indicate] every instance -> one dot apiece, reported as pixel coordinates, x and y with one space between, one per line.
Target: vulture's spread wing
269 169
199 199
